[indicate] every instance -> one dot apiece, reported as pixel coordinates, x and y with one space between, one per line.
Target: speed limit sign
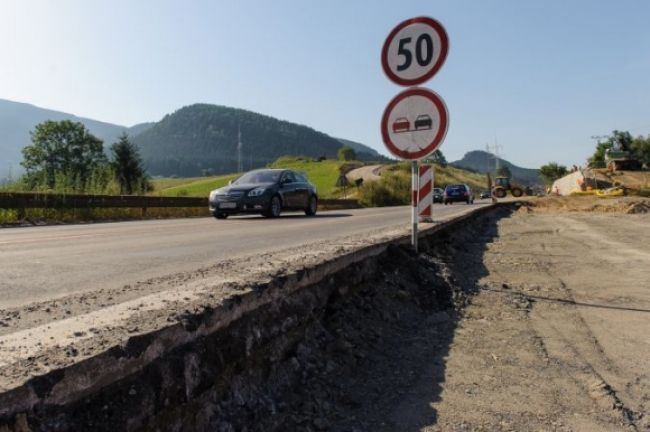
414 51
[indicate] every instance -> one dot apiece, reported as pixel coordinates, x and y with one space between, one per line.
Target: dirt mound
631 179
623 205
638 207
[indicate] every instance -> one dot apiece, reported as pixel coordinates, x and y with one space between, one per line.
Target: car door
288 187
302 191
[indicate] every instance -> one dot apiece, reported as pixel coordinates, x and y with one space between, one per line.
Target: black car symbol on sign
423 121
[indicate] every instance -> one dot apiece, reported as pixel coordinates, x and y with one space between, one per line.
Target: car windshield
456 188
258 177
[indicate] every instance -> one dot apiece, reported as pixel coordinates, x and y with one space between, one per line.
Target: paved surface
42 263
367 173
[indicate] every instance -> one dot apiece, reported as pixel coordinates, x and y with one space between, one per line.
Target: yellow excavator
501 187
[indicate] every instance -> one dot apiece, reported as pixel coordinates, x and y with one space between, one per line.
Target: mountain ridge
482 161
17 119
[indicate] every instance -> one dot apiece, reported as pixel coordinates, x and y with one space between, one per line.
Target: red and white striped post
425 193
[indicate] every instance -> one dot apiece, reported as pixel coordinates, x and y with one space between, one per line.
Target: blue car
458 193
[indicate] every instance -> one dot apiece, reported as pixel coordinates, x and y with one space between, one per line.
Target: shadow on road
566 301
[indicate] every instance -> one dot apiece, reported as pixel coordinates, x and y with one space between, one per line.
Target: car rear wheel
221 215
275 208
312 206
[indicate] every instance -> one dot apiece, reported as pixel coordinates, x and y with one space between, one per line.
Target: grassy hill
452 175
394 185
190 186
323 175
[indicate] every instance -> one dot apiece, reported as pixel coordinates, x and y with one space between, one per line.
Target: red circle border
437 139
444 40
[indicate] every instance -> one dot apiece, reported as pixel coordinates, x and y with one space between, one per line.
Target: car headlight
212 195
256 192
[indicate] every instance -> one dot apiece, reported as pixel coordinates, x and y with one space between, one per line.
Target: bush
393 189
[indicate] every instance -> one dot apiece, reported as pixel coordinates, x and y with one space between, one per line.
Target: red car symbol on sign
401 125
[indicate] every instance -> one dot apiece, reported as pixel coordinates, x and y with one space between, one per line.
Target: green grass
451 175
193 186
323 175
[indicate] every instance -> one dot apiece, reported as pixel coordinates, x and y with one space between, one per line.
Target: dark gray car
267 192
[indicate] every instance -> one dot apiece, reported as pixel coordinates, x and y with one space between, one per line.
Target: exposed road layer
42 263
77 329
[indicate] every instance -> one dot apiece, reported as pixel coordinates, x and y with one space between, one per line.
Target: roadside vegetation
552 171
64 157
639 148
394 188
11 217
323 173
191 187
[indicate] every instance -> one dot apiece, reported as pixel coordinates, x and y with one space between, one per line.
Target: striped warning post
425 193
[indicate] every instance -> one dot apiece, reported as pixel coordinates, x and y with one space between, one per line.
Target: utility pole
240 163
495 152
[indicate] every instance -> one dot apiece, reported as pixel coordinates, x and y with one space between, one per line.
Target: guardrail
31 200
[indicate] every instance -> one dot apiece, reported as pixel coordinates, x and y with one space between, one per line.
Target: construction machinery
501 187
617 159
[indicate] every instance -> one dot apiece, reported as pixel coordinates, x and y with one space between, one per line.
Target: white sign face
414 51
414 124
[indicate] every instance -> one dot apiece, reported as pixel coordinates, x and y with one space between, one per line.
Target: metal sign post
415 187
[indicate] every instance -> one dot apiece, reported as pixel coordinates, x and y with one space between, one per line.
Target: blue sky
541 77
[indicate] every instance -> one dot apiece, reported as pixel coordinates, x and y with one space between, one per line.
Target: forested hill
203 138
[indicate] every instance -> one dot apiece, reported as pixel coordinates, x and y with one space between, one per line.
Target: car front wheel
221 215
275 207
312 206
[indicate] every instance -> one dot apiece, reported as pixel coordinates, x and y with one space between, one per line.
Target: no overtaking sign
414 123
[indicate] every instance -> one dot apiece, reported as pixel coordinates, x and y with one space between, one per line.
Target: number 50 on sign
414 51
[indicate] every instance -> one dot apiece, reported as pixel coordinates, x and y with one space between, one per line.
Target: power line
495 153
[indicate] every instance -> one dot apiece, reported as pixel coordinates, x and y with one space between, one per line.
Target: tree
437 158
641 149
128 167
623 140
346 153
504 171
62 149
552 171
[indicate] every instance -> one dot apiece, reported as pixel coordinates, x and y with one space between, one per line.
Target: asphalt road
40 263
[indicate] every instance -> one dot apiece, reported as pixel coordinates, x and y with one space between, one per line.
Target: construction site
523 316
